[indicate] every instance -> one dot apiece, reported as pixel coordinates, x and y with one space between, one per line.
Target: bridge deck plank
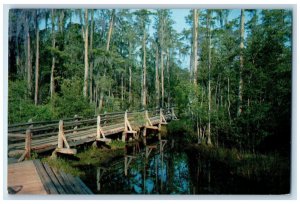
35 177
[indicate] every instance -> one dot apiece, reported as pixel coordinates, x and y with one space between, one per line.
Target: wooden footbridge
35 177
64 135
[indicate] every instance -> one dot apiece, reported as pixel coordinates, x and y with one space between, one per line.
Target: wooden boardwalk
35 177
63 135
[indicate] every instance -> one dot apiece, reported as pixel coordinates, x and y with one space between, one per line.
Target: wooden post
173 114
162 117
98 179
125 166
160 146
27 151
60 142
105 119
76 120
125 121
124 134
28 143
98 126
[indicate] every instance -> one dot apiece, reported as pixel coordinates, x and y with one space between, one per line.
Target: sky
179 15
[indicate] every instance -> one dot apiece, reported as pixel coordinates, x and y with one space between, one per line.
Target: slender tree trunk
61 21
18 63
130 74
91 55
240 101
144 70
191 63
29 65
161 40
168 77
52 88
228 99
162 79
209 70
86 58
157 77
110 30
195 45
37 60
122 88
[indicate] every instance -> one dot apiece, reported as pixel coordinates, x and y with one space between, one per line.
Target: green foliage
71 101
117 144
182 129
265 122
21 108
63 165
96 156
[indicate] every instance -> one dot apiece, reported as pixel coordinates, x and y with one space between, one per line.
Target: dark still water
170 171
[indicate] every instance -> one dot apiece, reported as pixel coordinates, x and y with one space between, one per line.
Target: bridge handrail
78 125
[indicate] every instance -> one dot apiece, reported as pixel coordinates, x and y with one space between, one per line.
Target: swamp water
172 171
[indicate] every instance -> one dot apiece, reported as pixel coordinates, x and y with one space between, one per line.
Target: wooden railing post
125 121
124 133
76 120
27 152
148 121
105 119
173 114
28 144
98 126
60 142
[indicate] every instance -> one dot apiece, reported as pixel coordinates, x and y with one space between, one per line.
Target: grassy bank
88 156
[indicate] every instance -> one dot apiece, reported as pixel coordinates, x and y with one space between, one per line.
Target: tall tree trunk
161 40
162 78
18 61
91 55
191 63
29 65
86 58
37 59
110 30
195 45
122 88
209 70
52 88
144 70
130 74
228 99
168 77
157 77
240 101
61 20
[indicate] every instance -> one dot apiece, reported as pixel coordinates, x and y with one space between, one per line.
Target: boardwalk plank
67 183
83 186
66 188
53 178
24 179
49 187
34 177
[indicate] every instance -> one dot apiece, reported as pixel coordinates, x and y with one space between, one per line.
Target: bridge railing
43 134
